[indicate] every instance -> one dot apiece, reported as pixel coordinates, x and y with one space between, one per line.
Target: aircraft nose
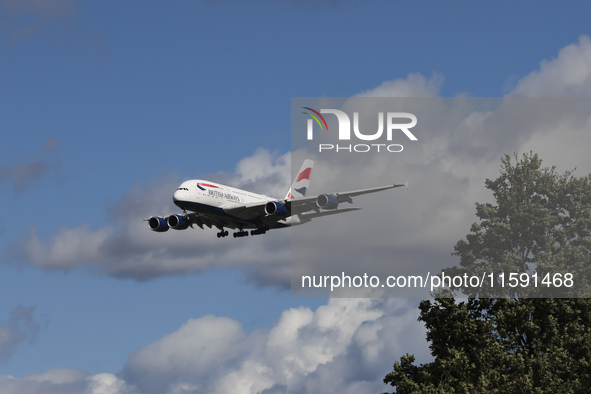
176 196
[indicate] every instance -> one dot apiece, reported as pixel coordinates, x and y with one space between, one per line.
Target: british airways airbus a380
211 204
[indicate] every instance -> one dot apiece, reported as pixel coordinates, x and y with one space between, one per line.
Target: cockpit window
182 188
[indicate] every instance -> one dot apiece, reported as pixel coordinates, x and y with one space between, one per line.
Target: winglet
406 184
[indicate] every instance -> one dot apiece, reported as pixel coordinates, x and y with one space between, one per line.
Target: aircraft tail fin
300 185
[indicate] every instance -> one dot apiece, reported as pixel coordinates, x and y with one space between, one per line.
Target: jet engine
275 208
327 201
177 222
158 224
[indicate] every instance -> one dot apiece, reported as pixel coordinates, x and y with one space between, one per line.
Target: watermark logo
397 123
315 117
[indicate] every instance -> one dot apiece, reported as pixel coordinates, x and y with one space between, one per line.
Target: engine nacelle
276 208
327 201
177 222
158 224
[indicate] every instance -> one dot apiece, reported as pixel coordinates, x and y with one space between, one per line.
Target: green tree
540 224
539 228
501 346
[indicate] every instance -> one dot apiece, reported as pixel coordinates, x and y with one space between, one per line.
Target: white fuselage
213 194
214 200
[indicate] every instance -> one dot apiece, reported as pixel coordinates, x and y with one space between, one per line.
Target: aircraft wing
247 211
304 204
296 206
310 215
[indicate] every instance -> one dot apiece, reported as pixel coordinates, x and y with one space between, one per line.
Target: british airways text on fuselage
222 195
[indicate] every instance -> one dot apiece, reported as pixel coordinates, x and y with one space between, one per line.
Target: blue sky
105 107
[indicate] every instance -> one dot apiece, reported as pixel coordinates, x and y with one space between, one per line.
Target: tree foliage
501 346
540 223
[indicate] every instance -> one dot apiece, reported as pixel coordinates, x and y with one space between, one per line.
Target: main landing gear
258 231
223 234
243 233
240 233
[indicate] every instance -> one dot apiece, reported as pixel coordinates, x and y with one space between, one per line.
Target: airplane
211 204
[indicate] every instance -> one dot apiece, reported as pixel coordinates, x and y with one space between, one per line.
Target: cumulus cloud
106 383
193 352
348 345
562 142
65 381
128 249
414 85
342 344
263 172
461 141
567 75
21 327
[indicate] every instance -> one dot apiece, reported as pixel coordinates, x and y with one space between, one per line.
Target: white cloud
414 85
127 248
65 381
340 347
306 351
348 345
461 141
54 381
106 383
562 143
195 350
59 376
70 248
567 75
